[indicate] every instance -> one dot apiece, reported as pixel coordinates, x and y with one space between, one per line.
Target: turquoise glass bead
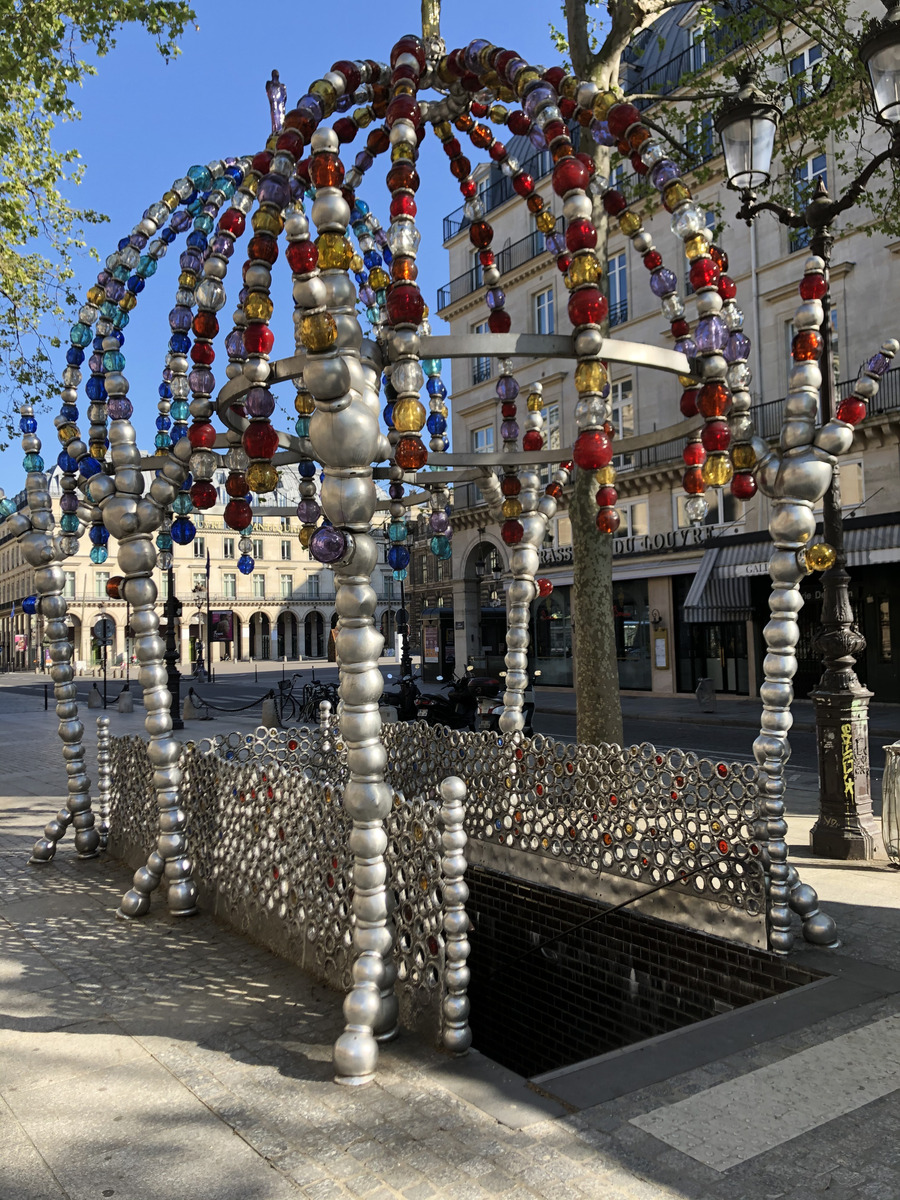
440 547
113 360
182 504
431 366
180 411
401 574
33 462
69 523
301 425
397 531
99 554
164 541
200 177
162 441
80 335
121 318
147 266
204 223
7 508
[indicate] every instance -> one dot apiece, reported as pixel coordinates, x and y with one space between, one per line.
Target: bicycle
285 702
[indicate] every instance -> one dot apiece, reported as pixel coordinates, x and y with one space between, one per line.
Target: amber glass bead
410 454
409 416
512 507
591 376
96 295
806 346
128 301
603 102
820 556
717 470
258 307
528 75
535 402
404 270
713 400
262 477
403 152
326 170
696 247
318 331
676 193
464 123
267 220
304 404
335 252
605 477
546 222
326 93
630 224
305 534
535 203
743 456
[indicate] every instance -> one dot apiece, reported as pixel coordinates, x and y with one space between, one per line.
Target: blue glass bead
88 466
183 531
180 410
80 334
387 256
69 523
99 554
200 177
164 541
436 423
301 427
179 343
95 387
398 557
164 391
147 266
124 243
245 564
99 535
178 432
401 574
236 174
307 469
163 422
197 240
33 462
162 441
397 531
440 547
98 344
372 259
182 503
435 387
135 285
432 366
167 235
362 207
74 356
29 605
69 411
27 424
113 360
66 462
387 414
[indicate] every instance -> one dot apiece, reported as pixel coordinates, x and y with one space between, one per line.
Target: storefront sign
758 568
647 543
430 647
221 625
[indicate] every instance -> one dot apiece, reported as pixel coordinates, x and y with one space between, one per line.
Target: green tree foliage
44 50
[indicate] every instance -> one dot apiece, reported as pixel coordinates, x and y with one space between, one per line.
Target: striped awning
721 587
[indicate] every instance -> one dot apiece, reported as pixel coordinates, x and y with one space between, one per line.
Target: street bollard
706 695
269 717
125 702
890 802
95 700
46 698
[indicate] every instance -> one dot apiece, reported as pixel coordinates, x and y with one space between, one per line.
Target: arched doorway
485 606
288 636
389 631
234 646
332 645
314 628
260 635
73 632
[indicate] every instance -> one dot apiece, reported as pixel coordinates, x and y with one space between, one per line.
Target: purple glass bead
115 290
367 295
296 186
167 374
555 243
138 240
190 261
308 511
234 344
662 282
68 502
687 346
496 298
395 491
273 190
243 296
120 408
381 238
103 278
737 348
181 221
509 431
327 544
180 319
310 107
600 133
439 522
663 173
711 334
363 160
344 102
536 137
472 52
95 362
202 381
223 245
536 98
878 364
507 388
259 402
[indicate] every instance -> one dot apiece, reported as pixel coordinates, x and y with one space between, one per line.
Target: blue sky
145 122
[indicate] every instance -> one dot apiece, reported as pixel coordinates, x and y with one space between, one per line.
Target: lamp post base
846 828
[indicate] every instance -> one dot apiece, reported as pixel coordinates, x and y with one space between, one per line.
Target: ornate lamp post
173 675
846 827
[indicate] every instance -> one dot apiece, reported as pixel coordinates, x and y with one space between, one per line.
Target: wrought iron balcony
539 165
508 259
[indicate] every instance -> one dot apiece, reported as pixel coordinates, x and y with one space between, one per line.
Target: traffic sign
105 631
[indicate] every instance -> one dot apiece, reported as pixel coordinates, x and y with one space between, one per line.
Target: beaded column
104 779
345 437
457 1036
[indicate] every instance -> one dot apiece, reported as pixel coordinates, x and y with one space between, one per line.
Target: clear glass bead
672 308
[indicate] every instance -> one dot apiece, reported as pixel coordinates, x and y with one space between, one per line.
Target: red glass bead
713 400
533 440
567 107
806 346
499 321
409 44
587 307
452 148
292 142
410 454
608 520
302 257
236 485
403 108
350 72
554 130
569 175
203 353
727 287
581 234
326 170
468 188
486 258
262 248
260 439
606 497
692 481
592 450
813 286
719 257
508 410
403 178
715 435
518 123
301 122
743 486
497 151
203 494
258 339
554 76
704 273
567 466
523 185
512 532
852 411
403 205
688 403
680 328
640 167
405 304
302 171
478 110
614 203
652 259
510 485
262 162
481 234
544 587
481 137
202 435
205 325
587 162
693 454
554 490
460 168
620 117
232 221
609 429
377 142
471 82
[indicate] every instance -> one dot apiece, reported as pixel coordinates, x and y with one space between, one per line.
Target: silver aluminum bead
330 211
577 206
324 140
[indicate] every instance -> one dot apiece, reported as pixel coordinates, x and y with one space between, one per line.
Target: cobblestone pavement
165 1057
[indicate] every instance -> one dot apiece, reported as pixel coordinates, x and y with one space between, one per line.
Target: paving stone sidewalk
170 1058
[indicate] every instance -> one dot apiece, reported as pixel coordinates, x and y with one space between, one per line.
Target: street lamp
480 564
846 827
172 610
881 54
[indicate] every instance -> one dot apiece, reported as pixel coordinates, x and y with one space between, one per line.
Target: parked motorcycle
490 710
404 698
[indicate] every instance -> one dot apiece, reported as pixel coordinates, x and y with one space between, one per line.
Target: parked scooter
459 710
490 710
404 698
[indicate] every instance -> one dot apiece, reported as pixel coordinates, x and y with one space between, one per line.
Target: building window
701 138
287 586
259 586
229 585
805 176
312 585
198 581
723 509
285 550
618 290
635 516
258 549
483 439
476 271
285 521
199 547
101 579
164 586
228 548
69 585
543 311
699 52
481 367
806 75
622 403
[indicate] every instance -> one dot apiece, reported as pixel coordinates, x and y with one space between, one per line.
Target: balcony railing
508 259
498 193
